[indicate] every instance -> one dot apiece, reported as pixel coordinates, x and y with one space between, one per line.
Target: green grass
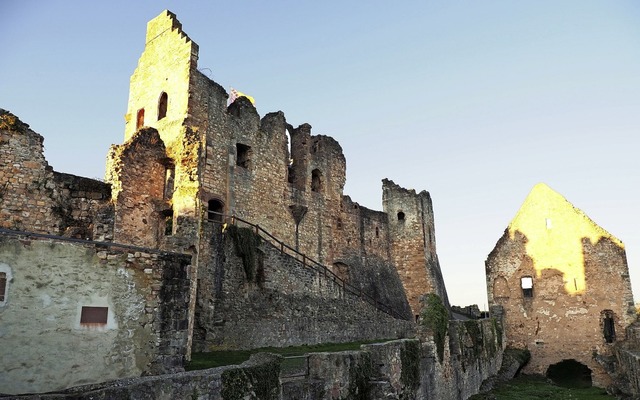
529 387
232 357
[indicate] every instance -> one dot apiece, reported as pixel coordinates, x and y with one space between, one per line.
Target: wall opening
526 283
215 209
400 216
608 326
243 155
500 288
169 178
94 316
140 119
377 232
162 106
168 223
341 270
316 180
3 285
570 374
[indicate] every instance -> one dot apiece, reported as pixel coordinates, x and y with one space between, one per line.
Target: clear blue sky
474 101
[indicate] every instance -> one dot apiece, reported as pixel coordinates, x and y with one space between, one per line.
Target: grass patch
232 357
530 387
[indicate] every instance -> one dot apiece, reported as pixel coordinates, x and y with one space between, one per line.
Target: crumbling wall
413 242
77 313
35 198
256 378
552 324
137 170
404 369
282 302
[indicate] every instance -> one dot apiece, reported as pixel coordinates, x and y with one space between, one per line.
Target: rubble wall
283 302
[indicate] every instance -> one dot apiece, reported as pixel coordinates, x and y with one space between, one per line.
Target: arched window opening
140 119
215 209
316 180
500 288
526 283
570 374
339 223
608 326
400 216
162 106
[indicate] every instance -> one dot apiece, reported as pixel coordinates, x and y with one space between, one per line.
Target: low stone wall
256 379
283 302
400 369
628 371
77 312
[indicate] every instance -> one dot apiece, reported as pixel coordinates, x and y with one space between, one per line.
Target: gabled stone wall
580 283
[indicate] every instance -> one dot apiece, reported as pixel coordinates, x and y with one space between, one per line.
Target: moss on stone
410 374
10 122
473 329
251 382
246 243
497 328
359 375
435 317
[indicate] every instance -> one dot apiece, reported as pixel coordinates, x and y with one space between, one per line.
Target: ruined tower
413 242
564 284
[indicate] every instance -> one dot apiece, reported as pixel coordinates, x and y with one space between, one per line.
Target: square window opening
94 316
243 155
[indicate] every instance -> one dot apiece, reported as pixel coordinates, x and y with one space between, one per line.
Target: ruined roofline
164 21
541 192
10 122
386 182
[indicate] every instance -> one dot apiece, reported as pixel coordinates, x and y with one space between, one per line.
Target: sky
473 101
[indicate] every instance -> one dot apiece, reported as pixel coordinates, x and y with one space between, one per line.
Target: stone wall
285 179
402 369
51 338
283 302
569 309
413 242
256 378
34 198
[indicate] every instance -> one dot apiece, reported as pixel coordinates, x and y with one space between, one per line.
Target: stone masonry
547 271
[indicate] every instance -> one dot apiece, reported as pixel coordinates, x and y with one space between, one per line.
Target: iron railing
319 268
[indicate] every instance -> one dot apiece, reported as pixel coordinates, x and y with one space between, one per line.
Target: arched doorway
570 373
215 210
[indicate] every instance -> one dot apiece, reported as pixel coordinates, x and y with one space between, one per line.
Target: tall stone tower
413 242
564 284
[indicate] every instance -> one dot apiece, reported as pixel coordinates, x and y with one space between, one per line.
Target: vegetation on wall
497 330
435 317
475 333
246 242
259 382
410 358
359 376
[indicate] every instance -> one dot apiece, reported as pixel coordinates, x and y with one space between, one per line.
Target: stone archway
570 373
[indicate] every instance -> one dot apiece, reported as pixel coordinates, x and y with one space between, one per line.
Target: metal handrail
316 266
